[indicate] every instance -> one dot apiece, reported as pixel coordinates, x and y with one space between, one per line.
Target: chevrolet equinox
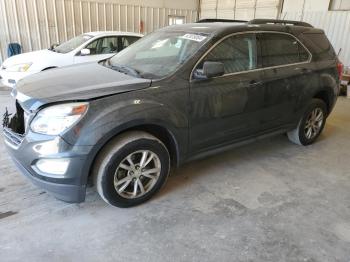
180 93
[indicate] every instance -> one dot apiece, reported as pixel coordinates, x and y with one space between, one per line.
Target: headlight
19 67
55 119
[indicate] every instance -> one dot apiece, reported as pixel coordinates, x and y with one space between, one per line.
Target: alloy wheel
137 174
314 123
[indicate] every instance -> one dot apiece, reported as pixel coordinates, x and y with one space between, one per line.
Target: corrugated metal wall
336 25
36 24
240 9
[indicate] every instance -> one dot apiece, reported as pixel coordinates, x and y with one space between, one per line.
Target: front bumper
69 187
64 192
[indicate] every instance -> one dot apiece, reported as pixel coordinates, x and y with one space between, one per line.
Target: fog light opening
53 166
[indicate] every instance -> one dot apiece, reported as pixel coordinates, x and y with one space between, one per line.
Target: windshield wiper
126 70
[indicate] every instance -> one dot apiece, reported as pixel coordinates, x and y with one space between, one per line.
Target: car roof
224 28
104 33
206 28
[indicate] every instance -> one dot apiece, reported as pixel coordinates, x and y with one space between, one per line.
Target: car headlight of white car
18 67
56 119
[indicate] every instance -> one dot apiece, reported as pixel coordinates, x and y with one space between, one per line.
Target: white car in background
88 47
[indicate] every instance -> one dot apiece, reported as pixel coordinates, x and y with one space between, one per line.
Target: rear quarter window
281 49
319 45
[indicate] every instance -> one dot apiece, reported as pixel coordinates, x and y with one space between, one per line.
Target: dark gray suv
180 93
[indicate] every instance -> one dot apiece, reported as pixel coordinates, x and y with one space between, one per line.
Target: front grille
13 138
16 121
14 125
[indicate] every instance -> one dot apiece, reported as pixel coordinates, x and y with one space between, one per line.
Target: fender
324 83
328 91
104 121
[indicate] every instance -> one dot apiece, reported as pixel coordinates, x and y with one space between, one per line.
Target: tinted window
320 45
104 45
237 53
281 49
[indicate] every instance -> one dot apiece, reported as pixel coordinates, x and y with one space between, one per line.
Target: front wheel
311 124
131 169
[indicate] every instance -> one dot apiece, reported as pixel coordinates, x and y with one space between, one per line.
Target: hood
72 83
30 57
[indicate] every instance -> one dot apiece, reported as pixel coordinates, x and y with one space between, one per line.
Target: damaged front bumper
29 149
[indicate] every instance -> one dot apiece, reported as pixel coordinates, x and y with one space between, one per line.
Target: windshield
159 54
72 44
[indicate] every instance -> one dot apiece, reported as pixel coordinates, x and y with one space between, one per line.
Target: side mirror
53 46
85 51
213 69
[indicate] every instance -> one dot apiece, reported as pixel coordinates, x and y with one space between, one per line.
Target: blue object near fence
13 49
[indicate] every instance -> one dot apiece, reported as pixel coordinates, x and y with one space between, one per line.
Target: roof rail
214 20
277 21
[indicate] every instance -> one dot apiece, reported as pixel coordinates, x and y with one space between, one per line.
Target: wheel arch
327 96
158 130
327 91
49 67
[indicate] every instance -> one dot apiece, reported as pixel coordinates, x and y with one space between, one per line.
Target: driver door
226 108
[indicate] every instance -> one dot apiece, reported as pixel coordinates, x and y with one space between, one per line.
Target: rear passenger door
285 64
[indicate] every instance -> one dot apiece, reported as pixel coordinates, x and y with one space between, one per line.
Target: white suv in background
93 46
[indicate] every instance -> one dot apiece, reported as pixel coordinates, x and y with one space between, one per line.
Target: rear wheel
131 169
311 124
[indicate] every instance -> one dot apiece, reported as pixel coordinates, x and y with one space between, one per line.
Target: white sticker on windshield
194 37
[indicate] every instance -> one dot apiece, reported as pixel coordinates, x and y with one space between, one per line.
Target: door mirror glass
85 51
213 69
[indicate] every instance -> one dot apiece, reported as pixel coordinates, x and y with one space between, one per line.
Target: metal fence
336 25
36 24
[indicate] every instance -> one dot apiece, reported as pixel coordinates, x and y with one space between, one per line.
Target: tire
301 134
112 170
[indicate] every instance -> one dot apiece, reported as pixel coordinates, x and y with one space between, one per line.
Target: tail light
340 68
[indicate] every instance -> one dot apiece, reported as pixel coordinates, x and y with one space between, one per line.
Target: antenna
340 49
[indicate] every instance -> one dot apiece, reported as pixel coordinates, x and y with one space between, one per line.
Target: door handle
254 82
306 70
303 70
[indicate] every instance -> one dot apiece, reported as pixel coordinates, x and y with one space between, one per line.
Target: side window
281 49
237 53
104 45
319 43
303 54
109 45
128 40
93 47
